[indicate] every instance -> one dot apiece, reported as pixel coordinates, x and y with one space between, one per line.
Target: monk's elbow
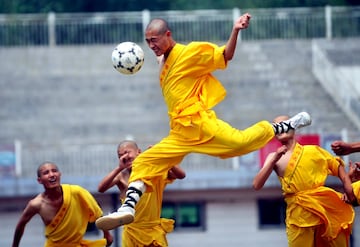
101 189
256 186
228 59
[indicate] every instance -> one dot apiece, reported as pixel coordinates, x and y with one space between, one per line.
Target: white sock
133 194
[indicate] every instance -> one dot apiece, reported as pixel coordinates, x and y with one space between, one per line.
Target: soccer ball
127 58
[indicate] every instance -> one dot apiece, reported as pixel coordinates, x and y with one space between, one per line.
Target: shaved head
44 164
159 38
159 25
128 143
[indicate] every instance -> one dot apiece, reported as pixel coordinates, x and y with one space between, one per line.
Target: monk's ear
39 180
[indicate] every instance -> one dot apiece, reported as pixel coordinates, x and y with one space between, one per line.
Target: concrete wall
231 220
228 224
72 93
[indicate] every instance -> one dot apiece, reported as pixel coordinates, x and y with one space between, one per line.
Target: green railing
211 25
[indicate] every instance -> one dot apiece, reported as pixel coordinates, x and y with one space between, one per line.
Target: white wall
230 224
33 235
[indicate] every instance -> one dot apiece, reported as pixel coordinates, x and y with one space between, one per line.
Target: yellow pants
227 142
311 237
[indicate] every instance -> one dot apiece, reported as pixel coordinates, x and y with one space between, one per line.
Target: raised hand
243 21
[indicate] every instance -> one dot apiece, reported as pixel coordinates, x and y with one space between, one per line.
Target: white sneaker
124 215
300 120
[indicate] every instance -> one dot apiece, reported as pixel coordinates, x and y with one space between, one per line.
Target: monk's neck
53 194
290 143
166 54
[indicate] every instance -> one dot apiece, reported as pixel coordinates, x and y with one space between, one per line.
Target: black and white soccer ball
127 58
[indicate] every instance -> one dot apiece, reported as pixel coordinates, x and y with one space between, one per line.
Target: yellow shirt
356 189
70 223
309 202
148 228
190 90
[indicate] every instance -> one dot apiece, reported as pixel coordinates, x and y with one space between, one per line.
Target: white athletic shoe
300 120
124 215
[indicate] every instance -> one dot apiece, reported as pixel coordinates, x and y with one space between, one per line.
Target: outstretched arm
241 23
269 165
25 217
176 173
344 148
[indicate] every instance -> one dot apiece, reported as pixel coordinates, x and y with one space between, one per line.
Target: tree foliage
68 6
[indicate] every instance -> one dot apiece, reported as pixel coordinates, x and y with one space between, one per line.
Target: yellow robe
69 225
309 202
356 189
148 228
190 91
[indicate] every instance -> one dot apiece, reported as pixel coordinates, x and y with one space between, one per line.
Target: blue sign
7 160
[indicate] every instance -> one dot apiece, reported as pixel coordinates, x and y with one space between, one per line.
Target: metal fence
211 25
98 159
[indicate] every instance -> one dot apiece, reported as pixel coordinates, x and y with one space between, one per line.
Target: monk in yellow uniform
147 229
190 92
316 215
65 210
